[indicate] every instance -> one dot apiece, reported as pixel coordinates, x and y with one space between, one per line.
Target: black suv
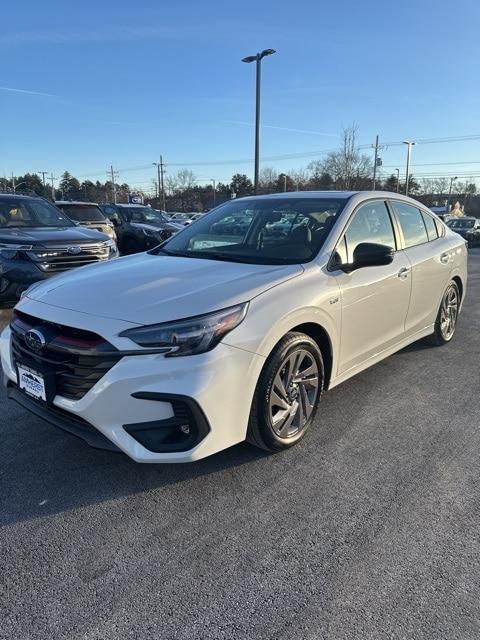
37 241
88 214
138 228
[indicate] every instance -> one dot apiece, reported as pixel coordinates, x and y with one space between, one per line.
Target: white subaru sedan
233 328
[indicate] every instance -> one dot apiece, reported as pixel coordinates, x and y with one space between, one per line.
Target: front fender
314 297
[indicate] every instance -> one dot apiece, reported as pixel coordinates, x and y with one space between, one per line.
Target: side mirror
370 254
114 219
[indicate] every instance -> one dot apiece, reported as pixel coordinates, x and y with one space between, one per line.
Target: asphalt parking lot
370 528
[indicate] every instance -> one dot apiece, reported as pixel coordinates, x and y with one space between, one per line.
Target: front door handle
403 273
444 258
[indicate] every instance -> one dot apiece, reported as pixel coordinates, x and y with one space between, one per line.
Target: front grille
77 358
54 259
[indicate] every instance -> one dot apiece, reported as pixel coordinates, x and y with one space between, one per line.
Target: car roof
306 194
91 204
20 196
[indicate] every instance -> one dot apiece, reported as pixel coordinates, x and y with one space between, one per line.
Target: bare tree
171 183
267 179
300 178
349 168
186 179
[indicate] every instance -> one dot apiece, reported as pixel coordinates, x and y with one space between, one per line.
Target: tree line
344 169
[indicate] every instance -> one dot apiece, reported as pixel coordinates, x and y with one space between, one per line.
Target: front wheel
447 316
287 394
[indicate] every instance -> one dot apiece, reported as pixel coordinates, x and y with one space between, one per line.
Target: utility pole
13 183
375 164
161 185
53 186
284 183
114 187
398 179
44 173
160 171
214 192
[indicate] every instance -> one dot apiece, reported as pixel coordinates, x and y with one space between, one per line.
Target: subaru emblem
35 340
74 251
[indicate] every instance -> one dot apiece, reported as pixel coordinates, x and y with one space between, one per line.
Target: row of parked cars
468 227
39 238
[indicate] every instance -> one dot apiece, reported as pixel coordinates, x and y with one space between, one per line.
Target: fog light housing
183 431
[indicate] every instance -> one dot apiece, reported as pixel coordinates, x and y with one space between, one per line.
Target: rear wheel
287 394
446 321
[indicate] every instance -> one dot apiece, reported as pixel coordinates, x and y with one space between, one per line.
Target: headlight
9 251
190 336
112 246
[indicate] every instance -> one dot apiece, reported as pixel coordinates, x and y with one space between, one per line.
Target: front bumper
138 394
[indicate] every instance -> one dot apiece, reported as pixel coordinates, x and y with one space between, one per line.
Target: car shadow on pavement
44 471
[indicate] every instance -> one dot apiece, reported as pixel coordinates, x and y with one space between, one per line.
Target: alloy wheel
294 393
449 312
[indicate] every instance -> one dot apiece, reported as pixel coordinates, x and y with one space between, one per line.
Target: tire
281 413
446 321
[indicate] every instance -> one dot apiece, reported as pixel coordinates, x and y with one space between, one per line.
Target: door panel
431 265
374 299
430 259
374 308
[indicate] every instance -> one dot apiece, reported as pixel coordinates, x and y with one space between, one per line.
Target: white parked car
216 338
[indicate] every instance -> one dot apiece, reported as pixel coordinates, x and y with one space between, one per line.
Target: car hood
51 235
161 226
147 289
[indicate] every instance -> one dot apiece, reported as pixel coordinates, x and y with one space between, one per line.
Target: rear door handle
403 273
444 258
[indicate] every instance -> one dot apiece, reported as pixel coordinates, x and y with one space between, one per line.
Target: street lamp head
267 52
259 56
408 142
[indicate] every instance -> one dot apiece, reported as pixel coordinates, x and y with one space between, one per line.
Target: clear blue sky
84 85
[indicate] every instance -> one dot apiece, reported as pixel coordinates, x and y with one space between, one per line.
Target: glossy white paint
366 314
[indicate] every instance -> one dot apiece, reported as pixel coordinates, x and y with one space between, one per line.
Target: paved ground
370 528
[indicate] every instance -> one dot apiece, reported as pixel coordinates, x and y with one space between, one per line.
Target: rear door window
411 223
430 225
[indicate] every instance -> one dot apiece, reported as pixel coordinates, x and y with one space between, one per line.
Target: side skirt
378 357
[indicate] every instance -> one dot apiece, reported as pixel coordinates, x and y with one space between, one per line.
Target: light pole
409 144
258 59
284 182
452 180
214 192
398 179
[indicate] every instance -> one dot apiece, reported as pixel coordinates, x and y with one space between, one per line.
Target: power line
290 156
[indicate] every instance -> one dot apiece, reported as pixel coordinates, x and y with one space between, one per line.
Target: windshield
259 231
19 213
83 212
462 224
144 214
